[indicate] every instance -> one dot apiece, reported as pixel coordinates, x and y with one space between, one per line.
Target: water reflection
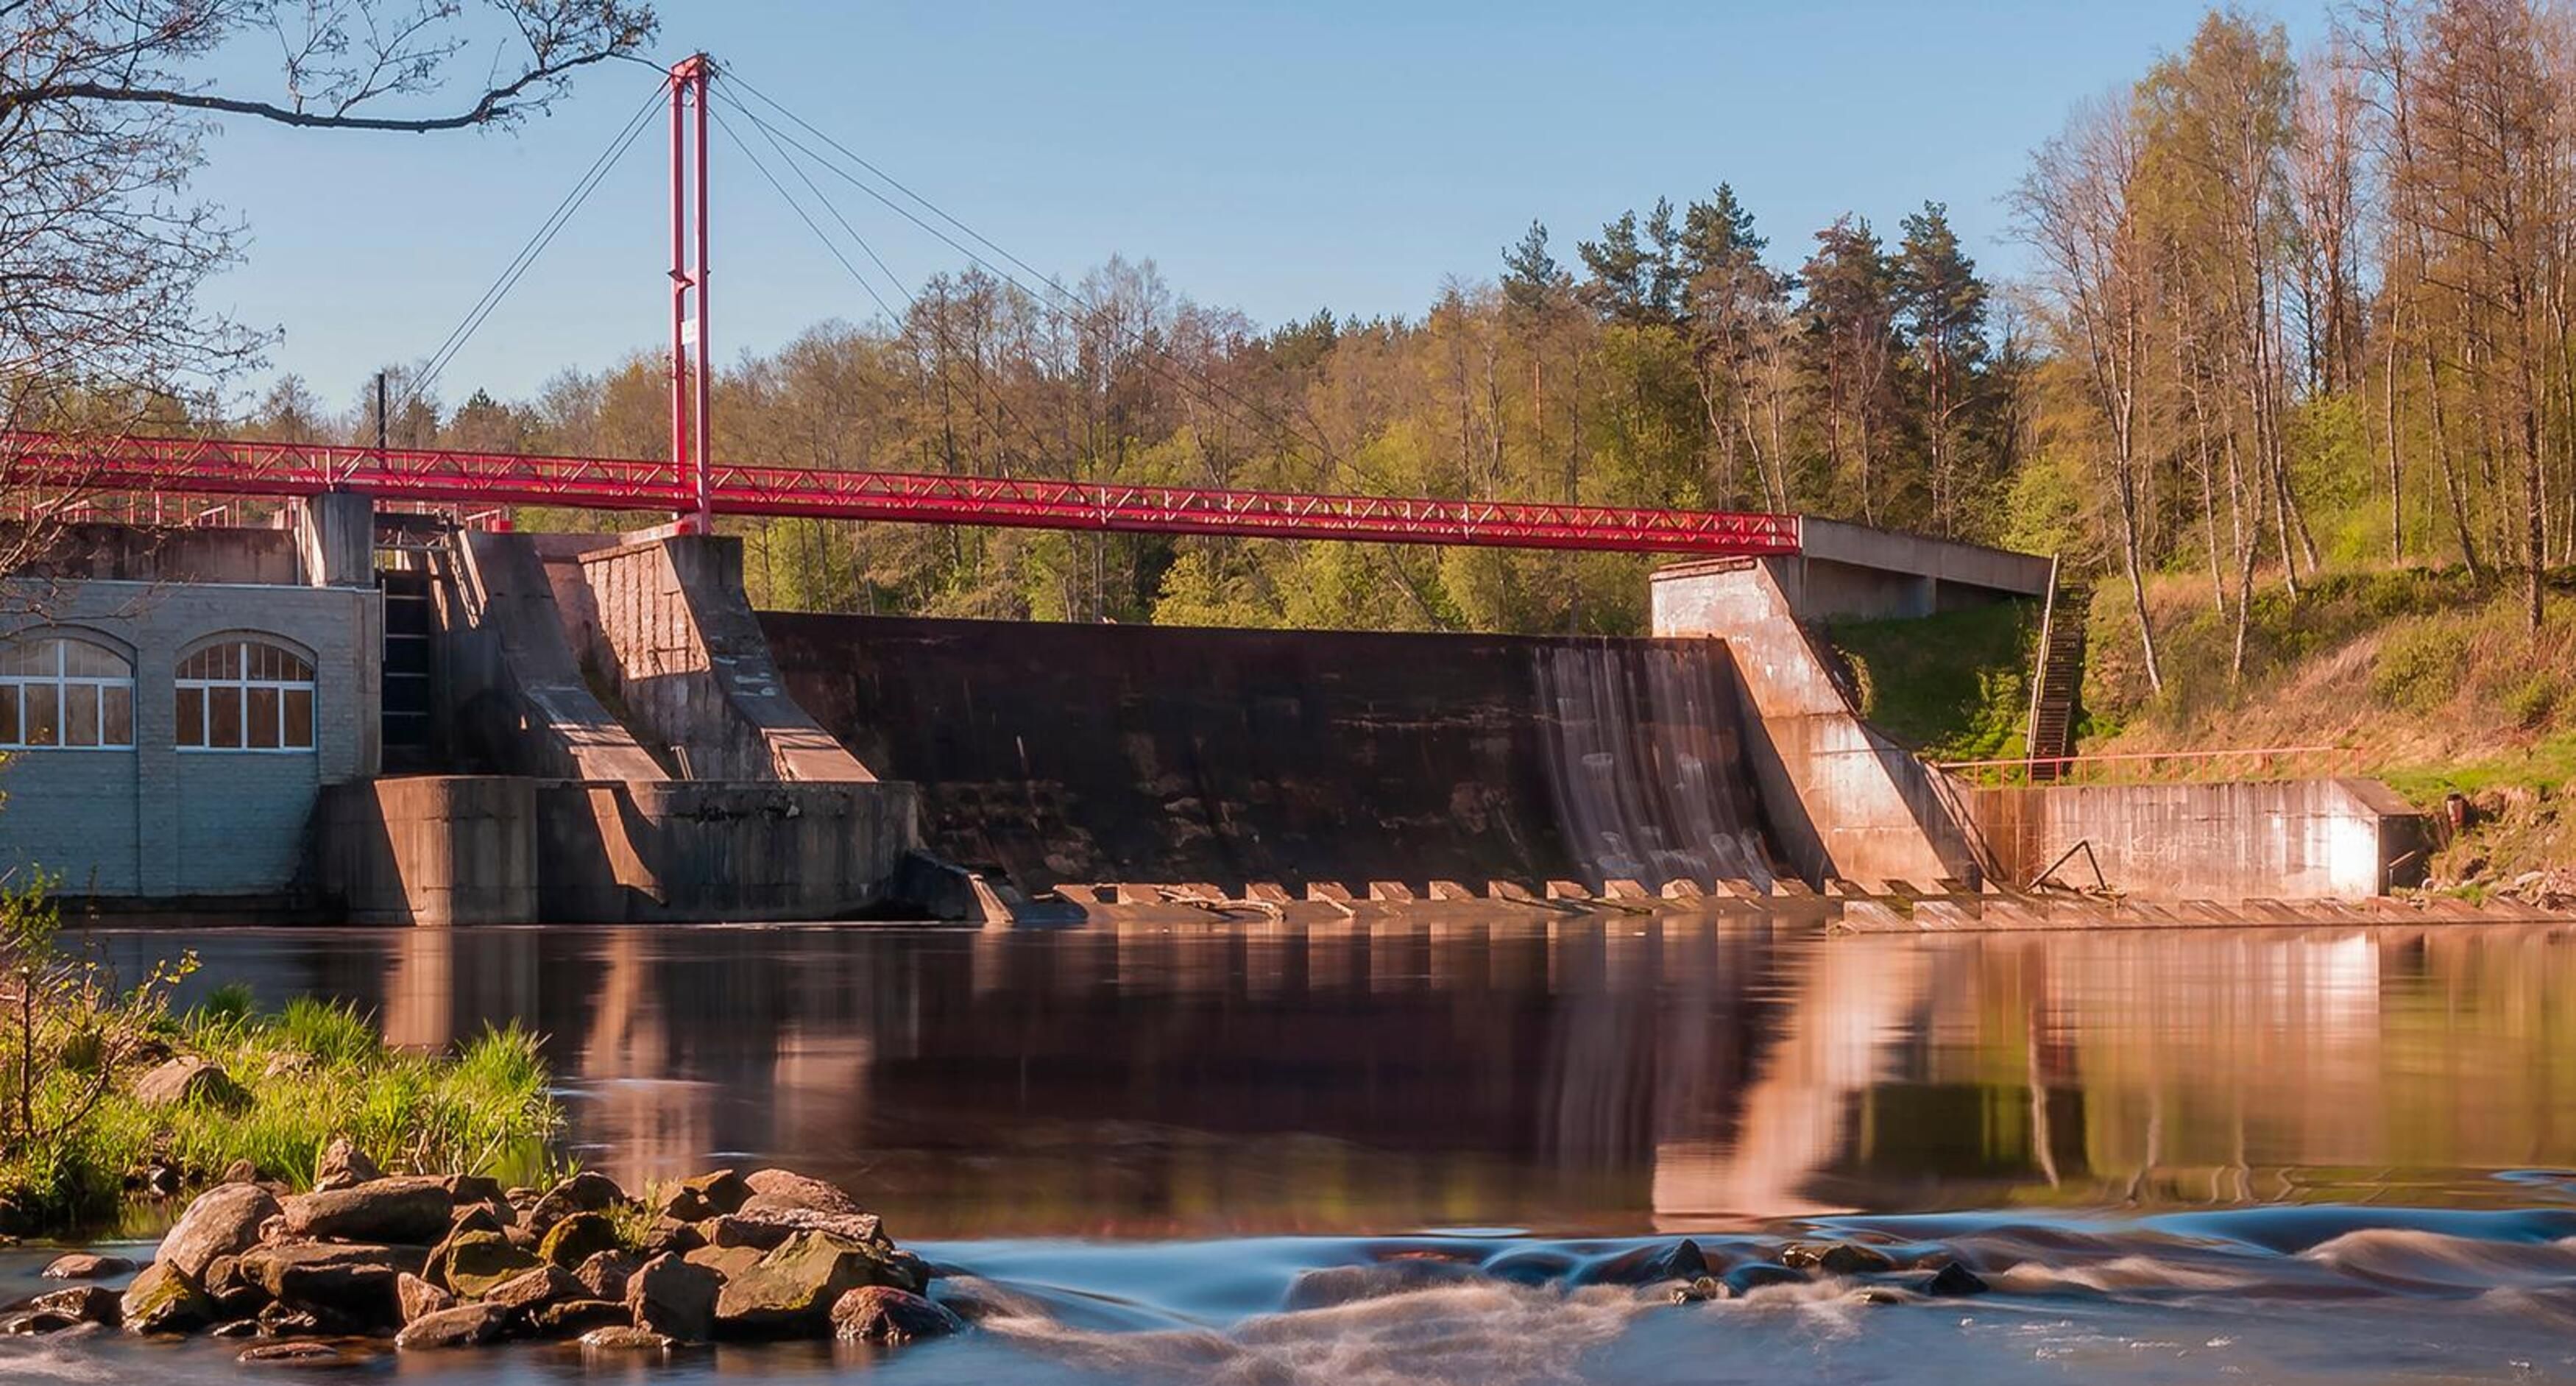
1592 1077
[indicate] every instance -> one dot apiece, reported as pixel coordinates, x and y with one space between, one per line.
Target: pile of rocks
460 1262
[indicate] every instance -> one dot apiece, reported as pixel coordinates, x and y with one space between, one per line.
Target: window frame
16 687
243 686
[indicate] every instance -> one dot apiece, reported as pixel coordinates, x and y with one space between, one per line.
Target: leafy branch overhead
340 61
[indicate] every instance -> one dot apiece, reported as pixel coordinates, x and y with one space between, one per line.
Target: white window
60 692
245 695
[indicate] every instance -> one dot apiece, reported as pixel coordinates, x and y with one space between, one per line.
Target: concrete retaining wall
504 849
516 700
1842 799
678 636
431 849
1092 753
2278 839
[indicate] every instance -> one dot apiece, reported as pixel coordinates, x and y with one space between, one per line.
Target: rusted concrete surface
1843 799
677 637
2220 841
1084 754
516 700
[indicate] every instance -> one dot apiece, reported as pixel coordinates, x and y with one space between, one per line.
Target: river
2266 1155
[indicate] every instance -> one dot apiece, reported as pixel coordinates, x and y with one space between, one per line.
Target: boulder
36 1322
380 1210
475 1188
224 1221
287 1321
1653 1264
1954 1280
726 1261
474 1261
525 1294
1332 1285
188 1078
466 1325
625 1338
578 1238
604 1274
706 1196
1836 1258
82 1304
587 1192
568 1317
779 1188
766 1228
351 1282
344 1166
81 1265
417 1298
1753 1275
240 1172
295 1355
671 1234
165 1299
236 1295
881 1314
674 1298
791 1291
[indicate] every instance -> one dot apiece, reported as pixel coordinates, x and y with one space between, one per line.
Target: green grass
309 1073
2549 762
1955 686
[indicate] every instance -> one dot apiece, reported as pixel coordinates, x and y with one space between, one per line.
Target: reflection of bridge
239 468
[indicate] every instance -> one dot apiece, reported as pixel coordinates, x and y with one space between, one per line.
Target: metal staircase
2058 680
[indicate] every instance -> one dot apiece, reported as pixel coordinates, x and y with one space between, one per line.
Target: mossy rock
163 1300
473 1262
578 1238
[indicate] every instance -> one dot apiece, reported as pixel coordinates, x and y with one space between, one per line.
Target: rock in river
791 1291
466 1325
881 1314
577 1238
81 1265
164 1299
380 1210
224 1221
675 1298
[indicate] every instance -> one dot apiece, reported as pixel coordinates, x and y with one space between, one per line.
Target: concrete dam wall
1075 753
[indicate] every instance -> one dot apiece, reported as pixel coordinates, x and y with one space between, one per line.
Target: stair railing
2039 665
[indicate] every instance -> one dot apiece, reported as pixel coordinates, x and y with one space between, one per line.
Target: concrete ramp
519 701
670 626
1843 800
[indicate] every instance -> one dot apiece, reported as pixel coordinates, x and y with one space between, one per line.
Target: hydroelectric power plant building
354 717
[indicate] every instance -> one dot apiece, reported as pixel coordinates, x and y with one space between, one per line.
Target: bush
2530 704
2418 668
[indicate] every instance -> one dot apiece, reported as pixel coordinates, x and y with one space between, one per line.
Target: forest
2288 313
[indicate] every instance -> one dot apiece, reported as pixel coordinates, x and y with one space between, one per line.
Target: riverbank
129 1106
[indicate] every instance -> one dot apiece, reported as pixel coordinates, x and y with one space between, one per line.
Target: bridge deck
235 468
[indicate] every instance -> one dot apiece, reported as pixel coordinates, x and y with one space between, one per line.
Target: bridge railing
235 467
2156 767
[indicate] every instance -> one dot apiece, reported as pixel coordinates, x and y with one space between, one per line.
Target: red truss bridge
218 467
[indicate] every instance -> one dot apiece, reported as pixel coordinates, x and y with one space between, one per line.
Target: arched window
62 692
245 695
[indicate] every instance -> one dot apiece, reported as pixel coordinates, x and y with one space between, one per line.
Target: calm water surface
2269 1155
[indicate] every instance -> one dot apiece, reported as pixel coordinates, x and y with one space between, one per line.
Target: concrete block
1390 891
1624 890
1568 890
1266 892
1450 890
1512 891
1078 894
1682 890
1133 893
1328 890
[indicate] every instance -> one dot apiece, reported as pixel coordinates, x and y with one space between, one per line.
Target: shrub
2530 703
2418 668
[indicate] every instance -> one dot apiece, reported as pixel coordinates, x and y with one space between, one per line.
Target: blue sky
1275 158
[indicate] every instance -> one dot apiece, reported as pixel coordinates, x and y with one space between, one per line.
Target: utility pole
380 419
689 429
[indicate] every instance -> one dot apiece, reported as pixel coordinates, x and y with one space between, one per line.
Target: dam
382 716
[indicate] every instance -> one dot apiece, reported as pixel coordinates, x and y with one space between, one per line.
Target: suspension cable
529 251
